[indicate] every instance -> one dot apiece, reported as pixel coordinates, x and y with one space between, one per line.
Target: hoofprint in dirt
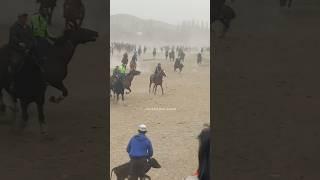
78 125
174 119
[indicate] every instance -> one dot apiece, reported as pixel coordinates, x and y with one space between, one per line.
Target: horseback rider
158 69
154 52
140 151
50 5
116 71
199 57
122 71
167 53
74 13
39 27
125 59
139 51
135 57
21 42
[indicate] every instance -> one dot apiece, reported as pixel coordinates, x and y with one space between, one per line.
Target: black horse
30 80
122 171
117 87
59 56
223 13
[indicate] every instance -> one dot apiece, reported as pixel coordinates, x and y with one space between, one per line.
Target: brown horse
157 80
126 83
129 78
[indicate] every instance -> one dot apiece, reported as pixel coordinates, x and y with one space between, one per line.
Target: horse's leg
155 89
25 116
150 86
41 117
161 88
122 96
60 86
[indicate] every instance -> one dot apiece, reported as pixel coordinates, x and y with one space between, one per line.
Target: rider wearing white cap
140 151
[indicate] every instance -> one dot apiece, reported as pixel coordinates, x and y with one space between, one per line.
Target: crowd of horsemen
170 52
29 35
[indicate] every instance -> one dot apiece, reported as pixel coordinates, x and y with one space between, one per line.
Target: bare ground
173 131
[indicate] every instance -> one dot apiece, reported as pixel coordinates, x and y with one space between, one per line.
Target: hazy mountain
128 28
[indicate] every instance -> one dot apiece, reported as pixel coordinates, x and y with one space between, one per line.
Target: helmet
142 128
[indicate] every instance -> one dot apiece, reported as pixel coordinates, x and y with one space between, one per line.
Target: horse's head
81 35
154 163
134 73
163 73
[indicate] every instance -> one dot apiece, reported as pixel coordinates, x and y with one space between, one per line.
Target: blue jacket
140 146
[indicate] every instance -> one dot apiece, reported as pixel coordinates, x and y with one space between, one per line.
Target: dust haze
160 22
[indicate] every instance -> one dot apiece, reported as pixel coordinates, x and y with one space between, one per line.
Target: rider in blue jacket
140 151
139 145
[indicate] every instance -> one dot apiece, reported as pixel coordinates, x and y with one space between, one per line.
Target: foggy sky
170 11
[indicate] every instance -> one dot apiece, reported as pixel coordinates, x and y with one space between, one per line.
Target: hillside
124 27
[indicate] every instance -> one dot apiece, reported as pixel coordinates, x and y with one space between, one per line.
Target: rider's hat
142 128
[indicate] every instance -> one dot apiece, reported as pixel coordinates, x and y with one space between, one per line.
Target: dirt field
78 126
266 94
173 131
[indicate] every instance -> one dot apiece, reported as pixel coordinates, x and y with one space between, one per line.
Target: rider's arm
129 146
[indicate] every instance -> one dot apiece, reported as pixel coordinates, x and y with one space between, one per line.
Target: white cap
142 128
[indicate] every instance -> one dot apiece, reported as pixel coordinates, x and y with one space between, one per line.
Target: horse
285 3
178 65
117 87
122 171
60 55
156 79
50 5
171 56
129 78
223 13
199 58
53 70
126 81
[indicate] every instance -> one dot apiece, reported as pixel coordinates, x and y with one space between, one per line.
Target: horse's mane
204 154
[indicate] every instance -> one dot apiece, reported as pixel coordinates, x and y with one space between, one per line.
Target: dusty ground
173 131
78 125
266 94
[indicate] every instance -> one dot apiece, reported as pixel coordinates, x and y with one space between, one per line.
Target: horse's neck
67 50
130 78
